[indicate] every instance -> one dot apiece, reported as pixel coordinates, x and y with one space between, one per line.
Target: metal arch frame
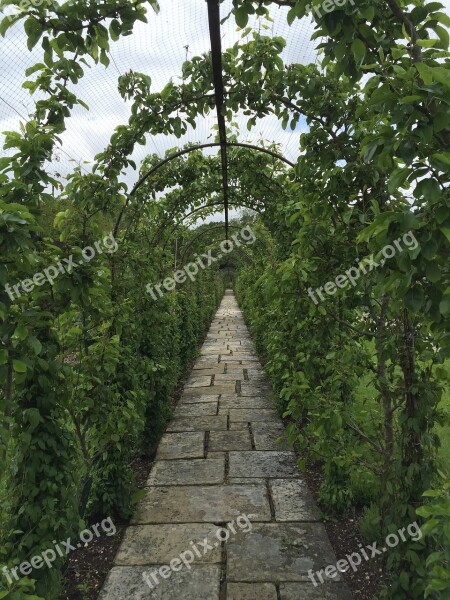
202 233
175 155
180 222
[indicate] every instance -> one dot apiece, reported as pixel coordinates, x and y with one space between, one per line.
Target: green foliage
90 361
436 534
370 524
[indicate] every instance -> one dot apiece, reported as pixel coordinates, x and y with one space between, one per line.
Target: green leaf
19 366
35 344
444 157
433 272
425 72
446 231
444 305
359 51
368 13
397 179
34 30
415 298
241 16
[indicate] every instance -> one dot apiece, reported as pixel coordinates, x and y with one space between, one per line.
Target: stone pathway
226 515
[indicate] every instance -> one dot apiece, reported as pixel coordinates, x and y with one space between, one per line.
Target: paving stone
199 381
198 424
247 481
249 415
239 364
292 500
200 504
181 445
216 455
241 357
201 409
263 464
202 581
272 427
250 388
237 373
252 591
219 349
227 389
198 398
159 544
278 552
218 370
270 440
206 362
241 403
224 441
227 378
187 472
239 426
307 591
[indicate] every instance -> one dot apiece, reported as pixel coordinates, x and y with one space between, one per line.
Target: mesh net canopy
157 48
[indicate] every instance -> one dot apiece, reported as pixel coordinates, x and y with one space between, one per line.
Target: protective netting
158 48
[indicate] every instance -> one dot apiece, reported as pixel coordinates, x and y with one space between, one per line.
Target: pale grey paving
225 493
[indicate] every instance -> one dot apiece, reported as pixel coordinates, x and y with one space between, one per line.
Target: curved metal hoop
202 233
186 151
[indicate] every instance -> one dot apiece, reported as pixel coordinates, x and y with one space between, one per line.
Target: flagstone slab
206 362
292 500
218 349
227 378
226 389
201 409
224 441
159 544
197 471
198 398
263 464
239 426
216 455
200 504
201 581
249 415
250 388
247 481
198 424
242 403
181 445
241 357
252 591
217 370
199 381
270 440
307 591
278 552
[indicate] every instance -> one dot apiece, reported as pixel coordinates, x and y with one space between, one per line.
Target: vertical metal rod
216 59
